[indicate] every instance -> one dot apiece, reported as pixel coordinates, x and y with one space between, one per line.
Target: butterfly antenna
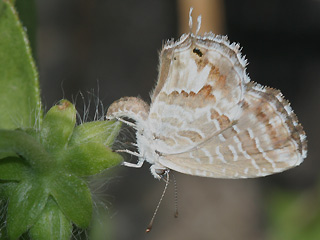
190 19
176 213
198 24
155 212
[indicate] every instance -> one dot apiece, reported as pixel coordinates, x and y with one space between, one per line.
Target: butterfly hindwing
266 139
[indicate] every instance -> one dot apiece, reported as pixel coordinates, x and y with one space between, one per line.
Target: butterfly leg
135 165
122 120
127 122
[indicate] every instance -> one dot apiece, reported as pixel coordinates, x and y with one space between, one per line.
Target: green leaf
3 214
13 169
32 132
90 158
5 154
58 126
19 87
26 146
52 224
73 197
25 205
6 188
103 132
27 15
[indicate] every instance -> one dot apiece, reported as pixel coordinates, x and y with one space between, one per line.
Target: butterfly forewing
200 95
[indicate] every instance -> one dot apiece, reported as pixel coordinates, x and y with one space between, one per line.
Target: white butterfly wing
266 139
199 92
206 118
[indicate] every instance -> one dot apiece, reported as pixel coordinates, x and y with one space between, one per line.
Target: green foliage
19 86
48 167
27 14
52 224
294 216
26 203
43 161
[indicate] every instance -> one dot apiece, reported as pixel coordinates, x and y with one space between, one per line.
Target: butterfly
206 117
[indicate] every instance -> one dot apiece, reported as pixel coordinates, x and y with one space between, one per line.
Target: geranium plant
45 159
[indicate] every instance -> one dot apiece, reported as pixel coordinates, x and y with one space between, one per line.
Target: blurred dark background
112 47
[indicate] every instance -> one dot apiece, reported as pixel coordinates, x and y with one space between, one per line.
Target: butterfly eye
197 51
